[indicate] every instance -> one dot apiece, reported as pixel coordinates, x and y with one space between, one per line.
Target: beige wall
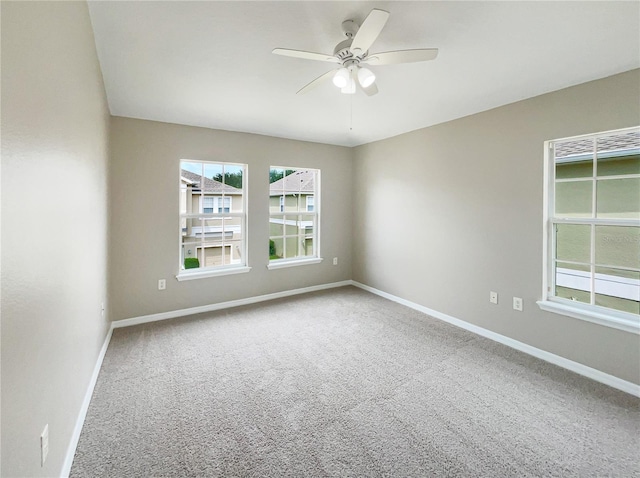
54 246
475 211
144 214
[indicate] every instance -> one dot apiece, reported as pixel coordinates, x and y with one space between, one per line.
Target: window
293 216
212 219
218 204
593 228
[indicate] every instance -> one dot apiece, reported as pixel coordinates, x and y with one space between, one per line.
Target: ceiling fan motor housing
350 28
342 51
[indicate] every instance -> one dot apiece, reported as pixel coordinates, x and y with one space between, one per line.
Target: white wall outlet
44 444
493 297
335 261
162 284
517 303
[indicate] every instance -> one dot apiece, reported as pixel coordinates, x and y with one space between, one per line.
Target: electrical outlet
162 284
44 444
493 297
335 261
517 304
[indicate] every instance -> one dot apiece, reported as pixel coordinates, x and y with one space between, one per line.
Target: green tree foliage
231 179
275 174
191 263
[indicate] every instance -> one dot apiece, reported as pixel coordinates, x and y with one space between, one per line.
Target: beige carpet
344 383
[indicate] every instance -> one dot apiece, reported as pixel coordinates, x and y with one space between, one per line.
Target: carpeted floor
344 383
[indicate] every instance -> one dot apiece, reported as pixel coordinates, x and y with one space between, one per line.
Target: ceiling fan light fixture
341 78
366 77
350 89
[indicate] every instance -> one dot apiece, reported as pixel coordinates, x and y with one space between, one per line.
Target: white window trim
283 263
216 271
208 272
590 313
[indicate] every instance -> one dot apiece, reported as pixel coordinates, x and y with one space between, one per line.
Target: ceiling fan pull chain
351 118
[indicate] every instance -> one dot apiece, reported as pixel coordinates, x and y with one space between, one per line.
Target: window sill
212 273
282 263
623 321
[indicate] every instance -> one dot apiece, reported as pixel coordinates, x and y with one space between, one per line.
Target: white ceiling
209 63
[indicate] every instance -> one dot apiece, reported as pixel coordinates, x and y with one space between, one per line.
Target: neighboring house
598 181
214 240
289 199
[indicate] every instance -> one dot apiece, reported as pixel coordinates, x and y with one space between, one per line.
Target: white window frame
238 265
302 260
549 302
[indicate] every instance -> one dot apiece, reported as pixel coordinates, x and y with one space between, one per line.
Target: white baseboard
224 305
576 367
75 437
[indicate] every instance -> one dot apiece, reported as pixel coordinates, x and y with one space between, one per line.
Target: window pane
232 228
192 230
189 258
275 177
216 256
628 164
213 231
308 247
208 204
619 154
618 289
276 227
212 181
307 224
291 249
574 169
274 203
292 181
291 202
573 282
573 242
618 246
195 169
619 198
233 175
278 243
574 199
290 225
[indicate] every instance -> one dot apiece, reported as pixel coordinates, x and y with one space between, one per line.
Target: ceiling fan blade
370 90
401 56
369 31
306 55
310 86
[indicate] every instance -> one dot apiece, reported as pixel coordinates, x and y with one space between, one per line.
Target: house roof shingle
300 181
620 142
210 185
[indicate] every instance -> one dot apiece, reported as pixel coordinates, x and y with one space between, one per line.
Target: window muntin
212 216
293 213
594 224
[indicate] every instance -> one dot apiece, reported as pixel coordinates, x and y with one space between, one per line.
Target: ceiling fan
353 52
